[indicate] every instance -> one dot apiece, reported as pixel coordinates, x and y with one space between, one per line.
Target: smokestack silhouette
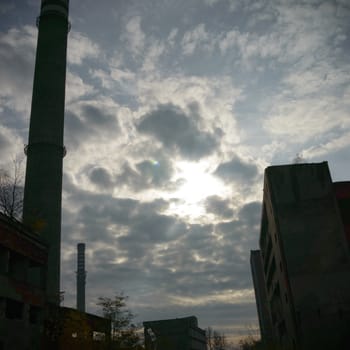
45 149
81 277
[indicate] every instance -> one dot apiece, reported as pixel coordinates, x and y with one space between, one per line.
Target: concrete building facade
305 257
23 262
174 334
262 304
342 193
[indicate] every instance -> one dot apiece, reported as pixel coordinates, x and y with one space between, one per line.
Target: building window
17 266
36 274
34 314
14 309
286 297
3 260
282 329
340 314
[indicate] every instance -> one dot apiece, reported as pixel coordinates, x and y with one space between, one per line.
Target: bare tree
215 340
123 332
209 335
299 159
11 190
219 341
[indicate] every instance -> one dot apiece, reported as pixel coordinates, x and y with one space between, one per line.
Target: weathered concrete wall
307 260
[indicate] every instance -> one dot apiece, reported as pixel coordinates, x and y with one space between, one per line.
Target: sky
173 111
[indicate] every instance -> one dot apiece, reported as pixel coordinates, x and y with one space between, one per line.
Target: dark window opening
14 309
17 266
282 329
340 313
3 259
36 274
34 314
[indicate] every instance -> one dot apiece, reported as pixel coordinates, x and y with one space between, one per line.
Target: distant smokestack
45 150
81 277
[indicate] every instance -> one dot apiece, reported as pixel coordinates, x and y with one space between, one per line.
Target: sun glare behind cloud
198 184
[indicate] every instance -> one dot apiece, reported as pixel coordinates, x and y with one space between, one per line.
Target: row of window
21 268
14 310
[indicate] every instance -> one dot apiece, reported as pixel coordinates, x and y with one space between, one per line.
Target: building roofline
22 229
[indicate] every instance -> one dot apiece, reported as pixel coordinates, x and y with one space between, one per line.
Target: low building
68 328
174 334
23 261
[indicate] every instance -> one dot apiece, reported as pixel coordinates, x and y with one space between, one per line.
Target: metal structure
81 277
45 149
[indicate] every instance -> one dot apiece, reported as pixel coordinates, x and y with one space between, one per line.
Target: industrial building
81 277
305 256
23 261
30 315
174 334
45 150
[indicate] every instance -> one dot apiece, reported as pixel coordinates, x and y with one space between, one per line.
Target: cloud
76 88
90 120
218 206
11 147
5 8
80 48
101 178
148 174
306 118
237 170
151 59
5 146
177 132
133 36
196 38
17 52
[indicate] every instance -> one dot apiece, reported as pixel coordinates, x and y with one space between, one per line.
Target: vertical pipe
81 277
45 150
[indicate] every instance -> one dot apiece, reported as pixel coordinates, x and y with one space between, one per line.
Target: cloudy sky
173 110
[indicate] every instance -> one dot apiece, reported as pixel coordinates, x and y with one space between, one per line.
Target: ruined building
305 256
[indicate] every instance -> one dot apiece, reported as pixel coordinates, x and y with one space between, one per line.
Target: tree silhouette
11 190
123 332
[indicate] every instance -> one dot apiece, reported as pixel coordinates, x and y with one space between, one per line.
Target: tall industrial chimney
45 149
81 277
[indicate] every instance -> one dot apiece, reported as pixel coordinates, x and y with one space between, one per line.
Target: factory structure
81 277
30 313
301 272
45 150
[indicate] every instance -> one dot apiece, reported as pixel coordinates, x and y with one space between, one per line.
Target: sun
198 183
